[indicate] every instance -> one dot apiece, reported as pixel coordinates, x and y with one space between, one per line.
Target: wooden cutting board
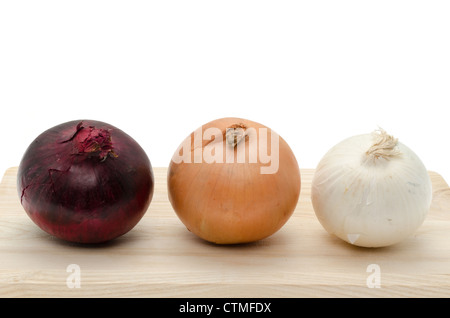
160 258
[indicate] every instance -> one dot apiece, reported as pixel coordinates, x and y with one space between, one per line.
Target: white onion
371 190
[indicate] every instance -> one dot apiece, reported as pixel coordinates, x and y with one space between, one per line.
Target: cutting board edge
12 171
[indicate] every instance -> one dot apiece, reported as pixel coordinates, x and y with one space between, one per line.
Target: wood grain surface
160 258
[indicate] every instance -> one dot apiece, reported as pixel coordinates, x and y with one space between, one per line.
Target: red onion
85 181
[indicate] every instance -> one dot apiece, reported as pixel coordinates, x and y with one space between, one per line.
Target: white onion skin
233 203
370 203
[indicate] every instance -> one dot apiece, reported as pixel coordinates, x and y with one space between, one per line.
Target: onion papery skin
232 203
85 181
370 203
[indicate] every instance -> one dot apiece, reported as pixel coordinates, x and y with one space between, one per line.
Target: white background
314 71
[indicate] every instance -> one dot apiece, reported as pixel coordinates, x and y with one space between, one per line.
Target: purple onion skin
85 181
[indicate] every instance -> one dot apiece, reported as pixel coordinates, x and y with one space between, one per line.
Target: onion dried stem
235 133
385 146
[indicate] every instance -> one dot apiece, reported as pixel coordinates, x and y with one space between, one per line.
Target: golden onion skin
231 203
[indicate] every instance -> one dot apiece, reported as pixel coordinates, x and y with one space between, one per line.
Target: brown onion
233 181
